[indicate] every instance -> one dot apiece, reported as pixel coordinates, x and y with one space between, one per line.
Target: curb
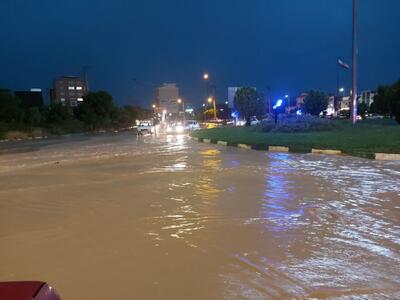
326 151
278 149
222 143
387 156
366 155
244 146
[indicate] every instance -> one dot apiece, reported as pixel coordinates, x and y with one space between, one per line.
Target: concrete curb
387 156
278 149
244 146
326 151
369 155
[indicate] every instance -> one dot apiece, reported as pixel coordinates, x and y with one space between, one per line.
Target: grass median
364 139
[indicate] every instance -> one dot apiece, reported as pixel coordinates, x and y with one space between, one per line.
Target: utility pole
355 58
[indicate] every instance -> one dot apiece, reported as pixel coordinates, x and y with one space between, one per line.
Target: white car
175 127
254 121
192 125
145 127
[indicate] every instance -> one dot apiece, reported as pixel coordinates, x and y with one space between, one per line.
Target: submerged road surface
121 217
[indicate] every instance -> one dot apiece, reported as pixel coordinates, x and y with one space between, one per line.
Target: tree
10 107
381 104
387 100
97 110
57 113
395 101
33 116
315 102
248 103
362 109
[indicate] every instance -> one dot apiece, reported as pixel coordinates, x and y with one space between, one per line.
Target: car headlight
179 129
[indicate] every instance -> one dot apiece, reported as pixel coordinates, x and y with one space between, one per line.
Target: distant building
31 98
69 90
231 96
300 99
344 103
366 97
167 97
330 110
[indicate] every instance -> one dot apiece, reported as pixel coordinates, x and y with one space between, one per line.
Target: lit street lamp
288 99
180 101
212 100
277 105
205 76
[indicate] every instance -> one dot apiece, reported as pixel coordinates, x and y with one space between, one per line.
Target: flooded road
120 217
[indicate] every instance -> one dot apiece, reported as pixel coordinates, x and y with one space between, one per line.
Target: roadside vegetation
306 131
368 137
97 112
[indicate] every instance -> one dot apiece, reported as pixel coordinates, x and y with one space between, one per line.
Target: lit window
71 88
62 99
79 88
80 99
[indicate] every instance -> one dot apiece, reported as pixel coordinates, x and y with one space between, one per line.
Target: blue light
234 114
299 112
278 104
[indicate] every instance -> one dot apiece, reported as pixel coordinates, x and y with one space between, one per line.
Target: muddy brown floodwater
117 217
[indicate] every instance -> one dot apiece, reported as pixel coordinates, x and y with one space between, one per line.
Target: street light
288 98
275 107
205 76
154 106
180 101
226 102
212 100
355 62
341 90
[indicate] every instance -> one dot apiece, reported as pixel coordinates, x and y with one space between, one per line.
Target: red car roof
24 290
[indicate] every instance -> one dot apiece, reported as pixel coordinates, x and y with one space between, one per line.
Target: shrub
290 124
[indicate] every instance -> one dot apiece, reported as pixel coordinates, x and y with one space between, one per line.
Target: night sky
289 45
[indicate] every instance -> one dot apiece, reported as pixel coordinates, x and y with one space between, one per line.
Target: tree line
248 103
97 111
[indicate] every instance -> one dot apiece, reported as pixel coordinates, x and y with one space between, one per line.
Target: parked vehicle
145 127
192 125
254 121
176 127
374 116
27 290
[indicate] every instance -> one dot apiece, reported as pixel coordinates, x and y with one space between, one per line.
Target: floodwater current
121 217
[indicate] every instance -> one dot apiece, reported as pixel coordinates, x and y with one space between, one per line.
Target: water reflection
206 187
190 220
278 206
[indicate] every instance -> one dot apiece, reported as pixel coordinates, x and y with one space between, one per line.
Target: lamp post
355 61
180 101
212 100
288 99
275 107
